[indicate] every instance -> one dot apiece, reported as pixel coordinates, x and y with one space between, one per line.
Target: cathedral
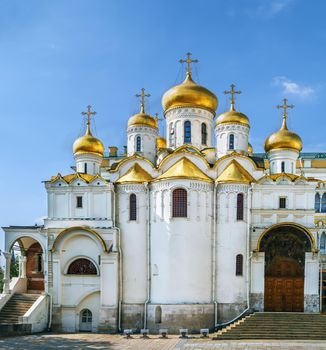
188 231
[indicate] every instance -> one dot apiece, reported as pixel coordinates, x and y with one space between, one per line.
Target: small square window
79 201
282 202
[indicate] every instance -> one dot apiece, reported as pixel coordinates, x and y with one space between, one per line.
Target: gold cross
188 61
157 118
89 114
285 106
142 95
232 92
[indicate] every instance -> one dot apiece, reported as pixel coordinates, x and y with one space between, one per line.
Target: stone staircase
17 306
276 325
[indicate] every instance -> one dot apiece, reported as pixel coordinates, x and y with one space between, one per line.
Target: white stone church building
184 232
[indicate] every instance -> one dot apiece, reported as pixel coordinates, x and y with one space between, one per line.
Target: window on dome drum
322 244
240 206
179 203
138 144
171 134
82 266
323 203
282 202
239 265
231 141
79 202
317 203
283 167
204 134
85 168
132 207
187 132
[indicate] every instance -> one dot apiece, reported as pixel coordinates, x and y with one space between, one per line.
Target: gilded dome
142 119
283 139
88 144
232 116
160 142
189 94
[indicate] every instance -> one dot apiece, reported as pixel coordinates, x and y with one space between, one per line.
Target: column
22 266
6 279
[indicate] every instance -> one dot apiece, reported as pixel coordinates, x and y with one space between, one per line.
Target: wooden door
284 288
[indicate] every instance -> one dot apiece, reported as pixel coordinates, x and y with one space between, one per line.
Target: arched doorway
27 262
86 319
285 247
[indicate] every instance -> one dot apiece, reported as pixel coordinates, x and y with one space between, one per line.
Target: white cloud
268 8
290 87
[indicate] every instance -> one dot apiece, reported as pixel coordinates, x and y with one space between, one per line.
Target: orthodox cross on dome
142 95
89 113
285 106
232 92
188 61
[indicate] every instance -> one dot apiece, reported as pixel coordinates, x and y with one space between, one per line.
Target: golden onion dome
142 119
283 139
160 142
250 149
232 117
189 94
88 144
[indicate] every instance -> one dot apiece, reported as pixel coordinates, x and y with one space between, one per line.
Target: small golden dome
232 116
189 94
283 139
142 119
250 149
88 144
160 142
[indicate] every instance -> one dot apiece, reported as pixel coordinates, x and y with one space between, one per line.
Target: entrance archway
27 254
285 247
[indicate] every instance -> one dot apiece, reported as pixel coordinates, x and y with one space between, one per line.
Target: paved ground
114 342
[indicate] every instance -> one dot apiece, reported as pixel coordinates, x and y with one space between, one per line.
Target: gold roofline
136 174
235 173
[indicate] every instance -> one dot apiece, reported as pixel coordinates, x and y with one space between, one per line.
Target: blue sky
56 57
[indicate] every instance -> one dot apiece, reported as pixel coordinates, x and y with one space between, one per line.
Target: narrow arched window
323 203
138 144
204 134
240 206
323 243
132 207
283 167
239 265
85 168
187 132
82 266
179 203
158 314
317 203
231 141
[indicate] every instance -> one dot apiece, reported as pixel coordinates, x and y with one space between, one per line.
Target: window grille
204 134
231 141
187 132
239 265
179 203
240 206
82 266
132 207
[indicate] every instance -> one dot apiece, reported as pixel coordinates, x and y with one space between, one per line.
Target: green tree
14 265
2 274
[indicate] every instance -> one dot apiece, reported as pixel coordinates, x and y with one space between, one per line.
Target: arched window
138 144
132 207
204 134
239 265
158 314
283 167
317 203
187 132
240 206
231 141
179 203
82 266
85 168
323 243
323 203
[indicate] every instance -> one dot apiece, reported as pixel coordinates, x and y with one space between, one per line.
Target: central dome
189 94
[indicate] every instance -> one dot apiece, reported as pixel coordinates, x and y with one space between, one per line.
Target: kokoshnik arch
175 232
